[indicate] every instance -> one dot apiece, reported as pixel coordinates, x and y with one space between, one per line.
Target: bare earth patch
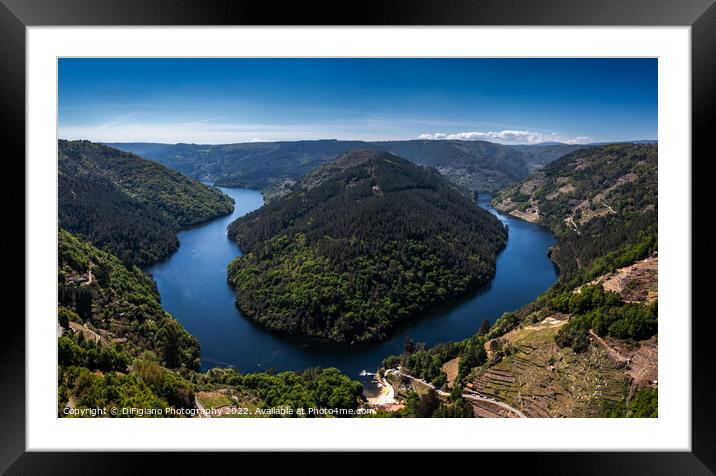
86 332
386 396
391 407
635 283
483 409
531 215
639 360
450 368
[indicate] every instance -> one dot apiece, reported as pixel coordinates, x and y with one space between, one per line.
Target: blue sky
214 101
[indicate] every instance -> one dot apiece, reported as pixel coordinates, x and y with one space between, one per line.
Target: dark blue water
193 287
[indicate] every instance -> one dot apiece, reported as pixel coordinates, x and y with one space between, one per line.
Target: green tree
409 345
644 404
484 328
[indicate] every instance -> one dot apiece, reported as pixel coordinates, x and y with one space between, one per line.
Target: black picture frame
700 15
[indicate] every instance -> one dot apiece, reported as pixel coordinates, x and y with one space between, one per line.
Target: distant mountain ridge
475 166
472 165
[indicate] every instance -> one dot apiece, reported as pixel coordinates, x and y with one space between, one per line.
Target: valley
521 362
355 237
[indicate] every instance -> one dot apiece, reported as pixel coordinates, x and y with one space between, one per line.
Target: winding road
469 396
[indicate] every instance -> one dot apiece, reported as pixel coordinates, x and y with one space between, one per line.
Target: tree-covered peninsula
358 246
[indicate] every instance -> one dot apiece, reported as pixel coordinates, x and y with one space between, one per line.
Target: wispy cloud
509 137
203 121
125 118
207 132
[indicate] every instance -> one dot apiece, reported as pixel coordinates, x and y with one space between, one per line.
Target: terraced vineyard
543 380
483 409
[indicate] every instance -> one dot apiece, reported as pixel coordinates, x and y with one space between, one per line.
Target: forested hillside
359 245
587 347
600 202
117 348
473 165
118 303
127 205
477 166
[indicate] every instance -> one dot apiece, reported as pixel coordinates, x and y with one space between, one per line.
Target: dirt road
469 396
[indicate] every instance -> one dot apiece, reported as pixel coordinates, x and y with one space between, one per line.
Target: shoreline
386 396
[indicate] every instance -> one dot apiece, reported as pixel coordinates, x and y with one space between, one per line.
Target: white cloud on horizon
509 137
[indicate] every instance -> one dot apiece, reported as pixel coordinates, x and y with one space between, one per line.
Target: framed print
407 229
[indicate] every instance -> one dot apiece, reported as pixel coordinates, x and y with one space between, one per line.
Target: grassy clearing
213 399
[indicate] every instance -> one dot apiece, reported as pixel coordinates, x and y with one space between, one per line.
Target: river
193 287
